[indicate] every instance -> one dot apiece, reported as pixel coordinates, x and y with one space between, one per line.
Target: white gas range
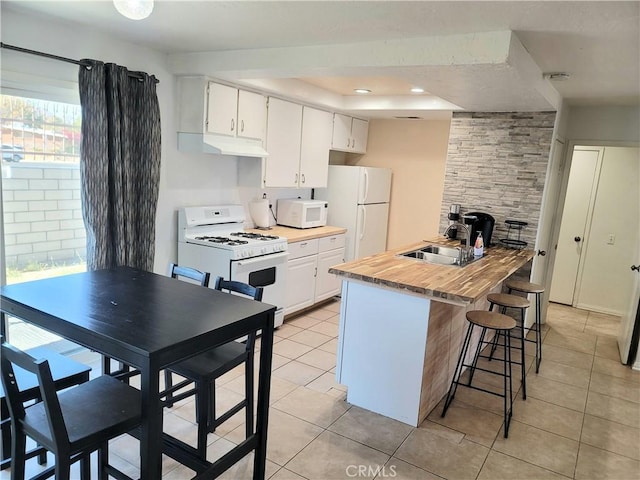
212 240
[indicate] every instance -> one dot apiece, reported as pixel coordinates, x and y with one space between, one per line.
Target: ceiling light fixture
417 90
556 76
362 90
134 9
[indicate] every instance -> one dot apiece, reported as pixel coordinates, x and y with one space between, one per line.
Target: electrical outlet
612 239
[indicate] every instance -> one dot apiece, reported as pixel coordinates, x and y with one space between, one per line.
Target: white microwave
297 213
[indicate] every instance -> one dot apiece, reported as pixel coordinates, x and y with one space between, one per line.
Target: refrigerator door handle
366 187
364 221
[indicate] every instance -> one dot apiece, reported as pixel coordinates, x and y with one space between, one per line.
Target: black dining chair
203 369
65 373
71 424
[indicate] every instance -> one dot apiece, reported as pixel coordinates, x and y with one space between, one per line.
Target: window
40 131
44 234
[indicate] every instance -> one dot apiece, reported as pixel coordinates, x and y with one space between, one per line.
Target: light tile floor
581 418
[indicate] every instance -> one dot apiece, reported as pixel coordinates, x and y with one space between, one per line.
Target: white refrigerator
358 200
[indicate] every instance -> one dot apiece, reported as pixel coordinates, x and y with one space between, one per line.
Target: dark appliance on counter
484 223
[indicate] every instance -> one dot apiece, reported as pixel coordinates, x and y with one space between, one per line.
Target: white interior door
582 179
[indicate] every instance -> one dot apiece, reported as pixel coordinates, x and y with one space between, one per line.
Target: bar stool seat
522 286
498 323
505 300
537 290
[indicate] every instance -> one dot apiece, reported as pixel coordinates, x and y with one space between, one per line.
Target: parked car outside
12 153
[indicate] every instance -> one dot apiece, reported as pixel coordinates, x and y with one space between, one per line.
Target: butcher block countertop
448 283
300 234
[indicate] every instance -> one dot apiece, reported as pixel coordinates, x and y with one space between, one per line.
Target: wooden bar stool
504 301
498 323
537 290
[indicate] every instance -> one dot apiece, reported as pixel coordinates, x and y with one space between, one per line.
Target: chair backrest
176 271
239 287
40 368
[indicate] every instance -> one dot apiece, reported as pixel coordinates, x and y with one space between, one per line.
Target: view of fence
42 215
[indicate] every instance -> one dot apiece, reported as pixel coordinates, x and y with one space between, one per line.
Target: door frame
570 145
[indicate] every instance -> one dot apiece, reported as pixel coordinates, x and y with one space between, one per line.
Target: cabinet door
301 283
314 151
359 135
284 128
222 109
252 115
341 132
328 284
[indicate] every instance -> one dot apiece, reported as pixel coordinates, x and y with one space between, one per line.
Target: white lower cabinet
308 277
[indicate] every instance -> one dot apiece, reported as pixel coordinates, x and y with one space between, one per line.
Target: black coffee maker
484 223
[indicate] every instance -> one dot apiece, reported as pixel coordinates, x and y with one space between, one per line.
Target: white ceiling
478 56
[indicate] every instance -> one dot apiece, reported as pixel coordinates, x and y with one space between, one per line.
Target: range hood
220 144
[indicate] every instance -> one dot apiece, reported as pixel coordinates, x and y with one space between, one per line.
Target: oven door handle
272 258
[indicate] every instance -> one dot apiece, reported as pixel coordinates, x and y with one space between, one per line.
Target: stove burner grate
254 236
222 240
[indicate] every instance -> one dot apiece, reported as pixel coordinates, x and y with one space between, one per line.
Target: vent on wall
410 118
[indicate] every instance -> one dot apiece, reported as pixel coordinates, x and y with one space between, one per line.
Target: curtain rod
61 59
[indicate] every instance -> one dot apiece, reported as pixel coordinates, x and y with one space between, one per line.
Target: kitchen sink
440 255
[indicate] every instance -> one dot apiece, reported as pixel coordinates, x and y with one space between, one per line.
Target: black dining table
151 321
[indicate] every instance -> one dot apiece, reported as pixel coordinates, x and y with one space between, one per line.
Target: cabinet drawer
331 243
302 249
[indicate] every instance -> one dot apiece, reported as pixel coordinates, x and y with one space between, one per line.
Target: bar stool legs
497 323
504 300
537 290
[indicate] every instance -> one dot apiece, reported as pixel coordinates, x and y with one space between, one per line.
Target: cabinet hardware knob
635 267
303 180
576 239
296 178
233 124
242 125
542 253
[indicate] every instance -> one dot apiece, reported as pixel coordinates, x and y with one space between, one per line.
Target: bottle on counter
478 248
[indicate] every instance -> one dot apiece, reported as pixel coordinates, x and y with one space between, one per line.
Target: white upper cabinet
314 152
222 109
284 128
235 112
252 115
298 141
349 134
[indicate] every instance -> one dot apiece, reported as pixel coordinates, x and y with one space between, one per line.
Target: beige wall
416 151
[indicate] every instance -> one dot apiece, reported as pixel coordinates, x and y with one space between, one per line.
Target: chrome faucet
465 250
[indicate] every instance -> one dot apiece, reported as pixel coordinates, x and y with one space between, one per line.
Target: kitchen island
402 324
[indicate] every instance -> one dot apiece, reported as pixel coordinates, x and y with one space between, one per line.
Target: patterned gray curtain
119 165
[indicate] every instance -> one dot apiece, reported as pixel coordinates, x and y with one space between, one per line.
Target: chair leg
202 417
476 356
211 407
18 450
456 374
248 378
168 383
538 332
508 405
5 430
85 467
522 359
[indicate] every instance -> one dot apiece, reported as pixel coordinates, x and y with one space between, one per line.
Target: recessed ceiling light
362 90
417 90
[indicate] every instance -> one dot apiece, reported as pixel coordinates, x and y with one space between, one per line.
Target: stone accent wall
497 163
42 214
